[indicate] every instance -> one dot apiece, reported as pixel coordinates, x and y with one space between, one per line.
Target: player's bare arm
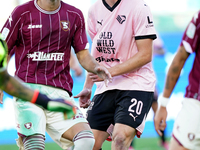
85 95
13 86
171 80
175 70
143 57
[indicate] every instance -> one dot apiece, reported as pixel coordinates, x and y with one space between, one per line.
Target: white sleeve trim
187 46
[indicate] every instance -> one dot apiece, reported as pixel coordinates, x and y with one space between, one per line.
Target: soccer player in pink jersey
122 32
41 34
186 129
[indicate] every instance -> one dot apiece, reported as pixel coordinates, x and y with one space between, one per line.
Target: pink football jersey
113 31
191 40
42 40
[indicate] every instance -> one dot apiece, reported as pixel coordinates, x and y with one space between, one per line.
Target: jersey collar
44 11
113 7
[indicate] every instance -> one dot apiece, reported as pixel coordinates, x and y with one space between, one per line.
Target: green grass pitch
139 144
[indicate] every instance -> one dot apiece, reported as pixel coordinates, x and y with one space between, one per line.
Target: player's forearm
87 61
88 83
137 61
174 71
13 87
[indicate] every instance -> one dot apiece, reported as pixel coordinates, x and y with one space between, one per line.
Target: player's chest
41 26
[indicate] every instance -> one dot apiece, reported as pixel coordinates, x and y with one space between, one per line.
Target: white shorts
187 124
32 119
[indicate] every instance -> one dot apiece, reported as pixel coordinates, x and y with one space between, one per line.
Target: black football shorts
119 106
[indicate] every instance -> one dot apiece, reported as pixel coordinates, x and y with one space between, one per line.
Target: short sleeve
190 39
91 25
80 41
143 25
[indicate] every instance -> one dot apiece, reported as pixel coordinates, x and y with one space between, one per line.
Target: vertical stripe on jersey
58 51
40 14
49 43
31 47
8 41
63 66
22 40
23 49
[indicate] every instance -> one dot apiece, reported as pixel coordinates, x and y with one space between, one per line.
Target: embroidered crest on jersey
191 30
121 18
28 125
41 56
191 136
65 25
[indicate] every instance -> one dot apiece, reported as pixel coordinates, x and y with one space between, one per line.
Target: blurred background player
186 131
14 87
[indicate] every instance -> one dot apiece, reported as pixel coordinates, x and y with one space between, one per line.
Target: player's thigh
186 129
30 118
175 145
56 125
132 108
63 131
100 137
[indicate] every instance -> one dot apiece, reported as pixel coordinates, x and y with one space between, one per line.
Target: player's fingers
157 128
105 73
78 95
84 92
162 125
108 75
159 132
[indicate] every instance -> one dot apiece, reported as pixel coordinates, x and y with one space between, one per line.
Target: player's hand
104 74
94 77
160 120
84 98
61 105
1 97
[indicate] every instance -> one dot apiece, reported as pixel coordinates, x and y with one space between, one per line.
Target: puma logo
134 117
100 22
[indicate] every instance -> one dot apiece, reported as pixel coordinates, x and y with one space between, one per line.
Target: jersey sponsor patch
191 30
41 56
5 33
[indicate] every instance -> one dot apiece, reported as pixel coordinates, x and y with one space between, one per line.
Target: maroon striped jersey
42 41
191 42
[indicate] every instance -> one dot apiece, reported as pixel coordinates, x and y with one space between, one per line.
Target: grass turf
139 144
